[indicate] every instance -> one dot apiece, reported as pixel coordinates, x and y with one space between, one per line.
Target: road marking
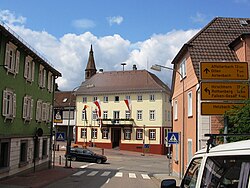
93 173
118 174
131 175
85 166
145 176
107 180
106 173
79 173
120 168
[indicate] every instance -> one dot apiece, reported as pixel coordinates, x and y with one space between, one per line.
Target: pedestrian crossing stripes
110 174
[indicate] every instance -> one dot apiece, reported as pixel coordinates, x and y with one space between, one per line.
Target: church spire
90 69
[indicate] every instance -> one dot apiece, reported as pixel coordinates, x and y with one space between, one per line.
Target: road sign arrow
207 90
206 70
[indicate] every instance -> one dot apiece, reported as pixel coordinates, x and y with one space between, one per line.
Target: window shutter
44 78
33 71
50 114
17 62
43 111
26 68
52 83
7 54
24 107
37 110
40 76
4 112
31 109
14 105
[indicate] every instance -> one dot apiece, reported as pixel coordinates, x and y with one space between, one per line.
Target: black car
81 154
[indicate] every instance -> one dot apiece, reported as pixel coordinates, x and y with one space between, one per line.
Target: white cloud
10 18
115 20
69 54
83 23
199 18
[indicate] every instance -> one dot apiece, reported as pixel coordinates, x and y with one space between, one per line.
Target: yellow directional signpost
224 91
226 83
224 70
217 108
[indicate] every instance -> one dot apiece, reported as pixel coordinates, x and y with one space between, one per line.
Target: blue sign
60 136
173 138
146 145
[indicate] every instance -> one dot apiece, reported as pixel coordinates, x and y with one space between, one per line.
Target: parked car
225 165
82 154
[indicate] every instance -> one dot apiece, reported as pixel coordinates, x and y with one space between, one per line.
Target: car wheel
73 158
98 161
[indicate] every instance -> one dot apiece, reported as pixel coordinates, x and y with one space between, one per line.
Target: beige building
222 40
130 110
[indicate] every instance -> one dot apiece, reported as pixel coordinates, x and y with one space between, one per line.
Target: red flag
97 103
99 114
128 103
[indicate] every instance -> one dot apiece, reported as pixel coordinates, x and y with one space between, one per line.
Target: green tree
239 121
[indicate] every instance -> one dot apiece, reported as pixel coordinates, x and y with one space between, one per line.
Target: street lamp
68 128
157 67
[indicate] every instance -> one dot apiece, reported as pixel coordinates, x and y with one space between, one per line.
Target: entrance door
116 137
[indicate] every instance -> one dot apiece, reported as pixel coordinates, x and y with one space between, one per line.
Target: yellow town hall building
129 110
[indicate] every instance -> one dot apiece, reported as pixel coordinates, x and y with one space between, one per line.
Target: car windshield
226 171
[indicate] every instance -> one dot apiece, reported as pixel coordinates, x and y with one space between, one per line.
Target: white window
39 108
12 58
9 104
183 68
84 133
127 134
139 98
105 99
151 114
105 114
117 98
29 69
139 134
42 77
127 97
127 114
190 150
139 114
105 133
94 133
84 99
152 134
94 115
175 110
177 152
48 112
152 97
116 116
50 82
190 110
27 108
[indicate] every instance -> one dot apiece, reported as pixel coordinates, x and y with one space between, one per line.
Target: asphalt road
123 169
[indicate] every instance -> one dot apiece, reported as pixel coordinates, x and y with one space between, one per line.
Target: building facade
64 115
222 40
129 110
27 93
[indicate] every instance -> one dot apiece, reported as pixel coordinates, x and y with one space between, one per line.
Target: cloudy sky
141 32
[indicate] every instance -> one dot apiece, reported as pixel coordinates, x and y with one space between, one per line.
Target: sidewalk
40 179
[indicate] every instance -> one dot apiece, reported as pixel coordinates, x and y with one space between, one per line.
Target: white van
223 166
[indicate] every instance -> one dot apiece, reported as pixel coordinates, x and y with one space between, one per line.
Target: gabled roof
63 99
212 43
17 40
122 82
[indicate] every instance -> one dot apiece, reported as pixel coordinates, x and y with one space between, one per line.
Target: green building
27 94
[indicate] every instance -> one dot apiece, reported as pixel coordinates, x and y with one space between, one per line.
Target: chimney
134 67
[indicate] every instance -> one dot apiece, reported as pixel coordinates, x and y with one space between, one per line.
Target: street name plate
224 90
208 108
223 71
